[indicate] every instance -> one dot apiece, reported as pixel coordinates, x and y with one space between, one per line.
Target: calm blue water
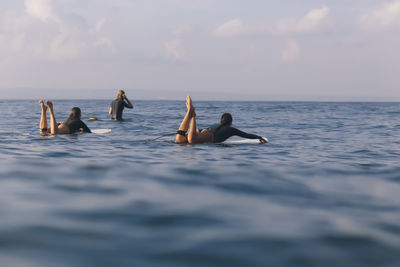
324 192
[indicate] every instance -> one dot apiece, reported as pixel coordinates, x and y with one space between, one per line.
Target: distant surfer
71 125
118 105
215 134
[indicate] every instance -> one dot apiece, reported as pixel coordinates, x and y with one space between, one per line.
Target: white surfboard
101 131
243 141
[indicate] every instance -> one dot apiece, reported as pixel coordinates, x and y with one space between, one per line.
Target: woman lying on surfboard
71 125
215 134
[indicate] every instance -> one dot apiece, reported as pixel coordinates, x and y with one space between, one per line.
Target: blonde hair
120 94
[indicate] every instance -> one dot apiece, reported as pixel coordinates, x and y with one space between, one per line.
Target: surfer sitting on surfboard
215 134
117 106
71 125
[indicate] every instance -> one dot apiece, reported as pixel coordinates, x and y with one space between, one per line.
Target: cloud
175 49
38 33
385 17
99 25
181 29
291 51
193 4
40 9
231 28
15 35
312 22
105 42
64 48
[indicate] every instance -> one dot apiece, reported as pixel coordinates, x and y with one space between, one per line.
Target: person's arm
110 111
128 103
85 128
247 135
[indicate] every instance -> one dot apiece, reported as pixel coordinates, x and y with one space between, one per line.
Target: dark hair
226 119
75 113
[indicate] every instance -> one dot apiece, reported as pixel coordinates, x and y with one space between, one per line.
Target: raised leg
185 122
195 136
192 134
53 122
43 118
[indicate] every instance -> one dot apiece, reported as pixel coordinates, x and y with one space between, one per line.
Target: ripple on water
323 192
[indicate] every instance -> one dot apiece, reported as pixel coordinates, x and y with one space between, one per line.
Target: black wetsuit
117 107
75 125
224 132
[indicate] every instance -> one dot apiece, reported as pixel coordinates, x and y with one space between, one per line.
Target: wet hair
226 119
120 94
75 113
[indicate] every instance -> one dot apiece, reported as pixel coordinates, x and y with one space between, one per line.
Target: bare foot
49 104
43 105
190 107
188 103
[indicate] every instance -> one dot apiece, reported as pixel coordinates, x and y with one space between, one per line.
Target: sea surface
325 190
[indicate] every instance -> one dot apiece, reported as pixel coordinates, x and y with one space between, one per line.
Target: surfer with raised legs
188 132
71 125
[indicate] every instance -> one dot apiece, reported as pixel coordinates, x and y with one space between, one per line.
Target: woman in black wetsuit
71 125
118 105
212 134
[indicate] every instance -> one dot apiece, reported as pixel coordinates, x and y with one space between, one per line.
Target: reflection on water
323 192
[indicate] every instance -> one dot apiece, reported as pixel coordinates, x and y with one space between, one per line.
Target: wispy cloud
40 9
312 22
385 17
291 51
181 29
100 24
174 48
59 40
231 28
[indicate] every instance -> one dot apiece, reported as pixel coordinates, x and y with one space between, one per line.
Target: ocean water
325 190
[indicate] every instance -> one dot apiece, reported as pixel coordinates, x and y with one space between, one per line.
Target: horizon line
213 100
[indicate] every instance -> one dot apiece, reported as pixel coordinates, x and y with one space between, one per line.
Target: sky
332 50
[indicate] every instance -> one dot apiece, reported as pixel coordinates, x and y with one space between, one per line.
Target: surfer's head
75 113
121 94
226 119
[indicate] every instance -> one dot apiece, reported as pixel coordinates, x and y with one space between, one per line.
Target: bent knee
181 139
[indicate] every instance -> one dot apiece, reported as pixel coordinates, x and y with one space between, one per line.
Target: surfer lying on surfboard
71 125
214 134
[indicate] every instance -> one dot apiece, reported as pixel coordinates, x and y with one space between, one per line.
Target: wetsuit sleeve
125 104
85 128
243 134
